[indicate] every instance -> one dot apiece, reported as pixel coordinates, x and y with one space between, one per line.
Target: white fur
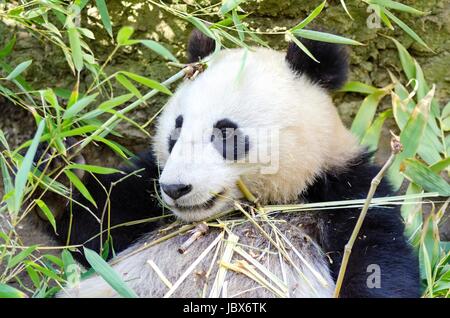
259 91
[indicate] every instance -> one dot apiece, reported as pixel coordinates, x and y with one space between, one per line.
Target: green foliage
91 113
424 161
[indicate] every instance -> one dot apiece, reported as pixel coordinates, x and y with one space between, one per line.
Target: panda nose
176 191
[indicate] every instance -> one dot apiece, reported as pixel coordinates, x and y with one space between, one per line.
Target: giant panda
204 136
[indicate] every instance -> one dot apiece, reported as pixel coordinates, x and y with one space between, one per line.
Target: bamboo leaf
7 291
75 46
324 37
301 46
229 5
21 256
159 49
124 35
45 209
79 106
358 87
79 186
366 113
425 177
148 82
128 85
114 146
372 136
104 15
8 47
201 26
411 137
406 60
406 28
440 165
396 6
93 169
18 70
108 274
25 168
311 16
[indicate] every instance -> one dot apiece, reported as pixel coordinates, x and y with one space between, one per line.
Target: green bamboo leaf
8 47
324 37
411 137
345 9
301 46
114 146
104 15
7 183
358 87
92 168
407 29
406 60
446 110
21 256
446 124
125 82
18 70
440 165
396 6
159 49
34 276
78 131
106 106
148 82
422 175
25 168
75 46
383 17
79 106
422 91
229 5
45 209
201 26
73 98
366 113
124 35
80 186
10 292
103 269
311 16
372 136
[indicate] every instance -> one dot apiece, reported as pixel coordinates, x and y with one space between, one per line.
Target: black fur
131 199
330 73
199 46
380 241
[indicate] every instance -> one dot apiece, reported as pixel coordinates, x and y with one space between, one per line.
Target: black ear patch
199 46
330 73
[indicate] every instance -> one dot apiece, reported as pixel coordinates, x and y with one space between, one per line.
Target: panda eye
175 132
224 129
229 140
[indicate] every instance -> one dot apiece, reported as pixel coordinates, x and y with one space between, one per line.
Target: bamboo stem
396 147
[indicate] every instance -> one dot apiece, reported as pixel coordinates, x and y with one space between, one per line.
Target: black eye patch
229 140
175 134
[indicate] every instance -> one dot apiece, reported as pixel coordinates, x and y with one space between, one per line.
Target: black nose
176 191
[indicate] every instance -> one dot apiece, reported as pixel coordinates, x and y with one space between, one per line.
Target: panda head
260 115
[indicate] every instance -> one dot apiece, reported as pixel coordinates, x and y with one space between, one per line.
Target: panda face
249 116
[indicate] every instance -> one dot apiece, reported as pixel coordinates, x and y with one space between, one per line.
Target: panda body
316 159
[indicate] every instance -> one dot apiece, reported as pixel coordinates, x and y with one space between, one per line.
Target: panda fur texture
319 160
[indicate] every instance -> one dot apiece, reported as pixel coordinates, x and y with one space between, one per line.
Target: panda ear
199 46
330 73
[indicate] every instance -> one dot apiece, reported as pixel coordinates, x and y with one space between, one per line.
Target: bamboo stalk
396 147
